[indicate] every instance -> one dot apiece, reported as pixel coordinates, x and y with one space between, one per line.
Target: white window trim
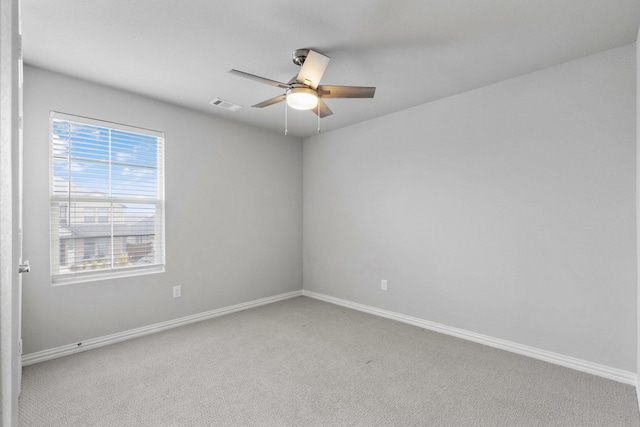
116 274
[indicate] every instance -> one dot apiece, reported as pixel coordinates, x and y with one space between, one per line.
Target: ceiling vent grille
218 102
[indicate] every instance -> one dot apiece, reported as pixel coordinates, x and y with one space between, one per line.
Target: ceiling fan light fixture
302 98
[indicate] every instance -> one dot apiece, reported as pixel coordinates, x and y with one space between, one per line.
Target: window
64 219
106 199
93 215
89 215
102 215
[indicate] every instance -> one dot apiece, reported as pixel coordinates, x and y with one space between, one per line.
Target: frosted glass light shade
302 98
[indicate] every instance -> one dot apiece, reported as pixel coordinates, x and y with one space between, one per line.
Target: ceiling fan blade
322 110
313 69
271 101
325 91
259 79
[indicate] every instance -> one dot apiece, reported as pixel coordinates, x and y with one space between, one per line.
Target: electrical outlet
383 285
177 291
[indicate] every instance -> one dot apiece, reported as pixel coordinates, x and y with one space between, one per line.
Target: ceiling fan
304 92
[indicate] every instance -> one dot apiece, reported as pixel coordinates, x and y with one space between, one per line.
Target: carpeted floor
303 362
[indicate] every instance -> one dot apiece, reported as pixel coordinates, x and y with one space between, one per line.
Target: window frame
55 240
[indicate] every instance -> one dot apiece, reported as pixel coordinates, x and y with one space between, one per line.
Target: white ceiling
413 51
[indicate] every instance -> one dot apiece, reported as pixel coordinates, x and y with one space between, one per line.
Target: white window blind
106 199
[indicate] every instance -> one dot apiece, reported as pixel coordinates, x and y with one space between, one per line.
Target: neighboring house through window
107 199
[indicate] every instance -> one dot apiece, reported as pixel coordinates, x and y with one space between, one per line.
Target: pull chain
286 119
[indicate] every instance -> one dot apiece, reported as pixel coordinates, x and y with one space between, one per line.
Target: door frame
10 363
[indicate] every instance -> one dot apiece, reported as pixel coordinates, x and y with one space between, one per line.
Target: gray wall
233 217
508 211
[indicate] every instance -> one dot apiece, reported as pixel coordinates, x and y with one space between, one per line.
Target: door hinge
20 347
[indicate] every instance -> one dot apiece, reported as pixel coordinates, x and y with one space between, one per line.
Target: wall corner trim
614 374
66 350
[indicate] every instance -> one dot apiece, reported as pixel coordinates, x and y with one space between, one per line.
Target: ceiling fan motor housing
299 55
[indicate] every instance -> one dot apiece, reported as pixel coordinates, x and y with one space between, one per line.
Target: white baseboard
615 374
66 350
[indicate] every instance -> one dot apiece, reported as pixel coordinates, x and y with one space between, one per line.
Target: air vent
225 104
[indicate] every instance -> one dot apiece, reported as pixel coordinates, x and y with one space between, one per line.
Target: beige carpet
303 362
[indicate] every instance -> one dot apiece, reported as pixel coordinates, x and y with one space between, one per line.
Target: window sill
69 279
